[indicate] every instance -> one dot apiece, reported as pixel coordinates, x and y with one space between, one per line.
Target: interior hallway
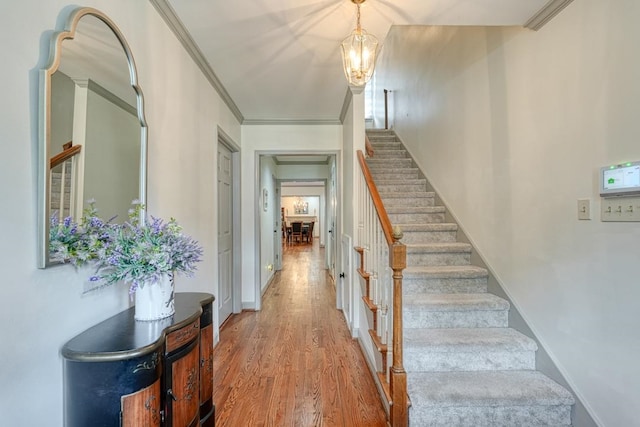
294 363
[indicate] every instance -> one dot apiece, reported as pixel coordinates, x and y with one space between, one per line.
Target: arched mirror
93 134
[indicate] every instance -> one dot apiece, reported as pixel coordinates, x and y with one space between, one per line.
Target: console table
123 372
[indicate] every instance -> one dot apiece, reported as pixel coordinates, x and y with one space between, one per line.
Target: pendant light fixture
359 53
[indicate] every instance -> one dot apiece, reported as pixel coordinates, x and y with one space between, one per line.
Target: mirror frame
44 120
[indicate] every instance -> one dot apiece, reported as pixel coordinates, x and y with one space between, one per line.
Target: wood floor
294 363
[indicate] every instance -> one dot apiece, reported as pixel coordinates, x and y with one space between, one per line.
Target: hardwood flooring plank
294 363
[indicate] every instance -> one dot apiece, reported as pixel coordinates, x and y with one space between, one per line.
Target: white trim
545 14
175 24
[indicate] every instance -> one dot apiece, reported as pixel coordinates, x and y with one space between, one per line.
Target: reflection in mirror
92 128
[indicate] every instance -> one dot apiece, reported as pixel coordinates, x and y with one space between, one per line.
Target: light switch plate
584 209
620 209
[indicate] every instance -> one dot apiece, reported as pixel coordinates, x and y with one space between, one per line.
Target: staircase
60 201
465 366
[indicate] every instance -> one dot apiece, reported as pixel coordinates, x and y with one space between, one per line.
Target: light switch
584 209
620 209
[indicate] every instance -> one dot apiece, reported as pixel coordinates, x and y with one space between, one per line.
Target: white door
333 239
225 234
278 236
345 282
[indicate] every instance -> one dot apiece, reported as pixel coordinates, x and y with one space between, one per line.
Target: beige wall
511 127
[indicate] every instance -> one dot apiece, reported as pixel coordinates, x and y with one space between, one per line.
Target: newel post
398 376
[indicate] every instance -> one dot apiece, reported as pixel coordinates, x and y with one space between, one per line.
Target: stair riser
422 360
385 145
416 218
381 137
402 188
409 174
389 164
376 170
439 258
447 286
418 317
409 201
390 154
500 416
429 236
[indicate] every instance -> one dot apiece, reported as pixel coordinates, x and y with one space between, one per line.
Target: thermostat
620 180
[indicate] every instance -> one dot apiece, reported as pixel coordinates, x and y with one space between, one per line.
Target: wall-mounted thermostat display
620 180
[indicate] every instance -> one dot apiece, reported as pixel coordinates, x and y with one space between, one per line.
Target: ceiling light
359 53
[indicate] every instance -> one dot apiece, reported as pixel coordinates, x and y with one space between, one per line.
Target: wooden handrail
387 228
398 398
68 152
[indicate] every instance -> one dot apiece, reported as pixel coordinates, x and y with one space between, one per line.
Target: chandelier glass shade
359 53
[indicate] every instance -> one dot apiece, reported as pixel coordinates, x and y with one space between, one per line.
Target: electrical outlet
584 209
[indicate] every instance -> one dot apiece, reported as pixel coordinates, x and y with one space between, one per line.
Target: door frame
257 207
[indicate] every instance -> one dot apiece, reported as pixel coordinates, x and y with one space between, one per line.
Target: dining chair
296 231
287 232
308 232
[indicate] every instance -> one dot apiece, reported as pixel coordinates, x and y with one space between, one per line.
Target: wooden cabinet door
206 364
183 390
142 408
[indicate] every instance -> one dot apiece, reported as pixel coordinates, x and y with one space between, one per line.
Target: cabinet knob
173 396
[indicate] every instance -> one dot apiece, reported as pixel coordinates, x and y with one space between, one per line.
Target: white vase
154 301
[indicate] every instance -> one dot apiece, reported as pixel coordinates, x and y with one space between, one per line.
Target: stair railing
382 259
68 151
64 162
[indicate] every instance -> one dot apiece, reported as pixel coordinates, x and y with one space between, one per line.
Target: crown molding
111 97
545 14
175 24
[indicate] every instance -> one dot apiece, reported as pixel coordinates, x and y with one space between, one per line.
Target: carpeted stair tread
400 181
438 247
486 388
381 173
445 271
396 174
415 209
379 136
402 194
440 226
390 153
448 340
390 163
457 302
386 145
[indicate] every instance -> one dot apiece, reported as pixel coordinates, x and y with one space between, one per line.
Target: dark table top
122 337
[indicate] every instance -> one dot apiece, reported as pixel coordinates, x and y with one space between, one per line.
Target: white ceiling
279 60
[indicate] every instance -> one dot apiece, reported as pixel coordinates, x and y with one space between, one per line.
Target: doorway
302 178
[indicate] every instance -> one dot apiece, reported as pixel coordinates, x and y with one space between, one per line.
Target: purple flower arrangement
80 243
138 252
